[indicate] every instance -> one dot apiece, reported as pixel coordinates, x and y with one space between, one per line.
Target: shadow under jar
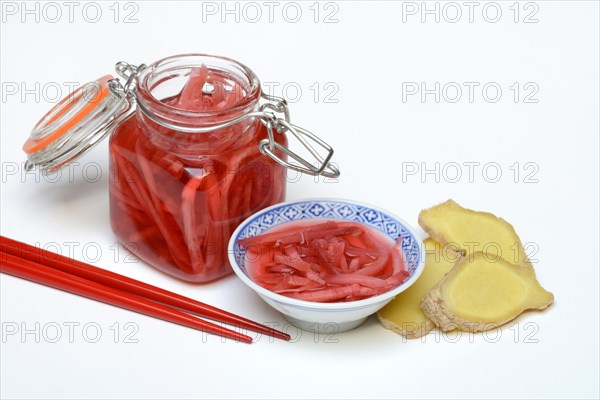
176 196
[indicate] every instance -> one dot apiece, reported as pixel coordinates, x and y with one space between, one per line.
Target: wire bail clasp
323 165
129 73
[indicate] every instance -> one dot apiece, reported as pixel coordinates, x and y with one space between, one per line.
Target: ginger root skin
481 293
461 228
404 315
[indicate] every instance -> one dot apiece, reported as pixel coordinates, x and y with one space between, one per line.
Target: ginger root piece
404 315
469 231
482 293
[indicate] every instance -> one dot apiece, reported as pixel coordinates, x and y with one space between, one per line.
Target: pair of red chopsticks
51 269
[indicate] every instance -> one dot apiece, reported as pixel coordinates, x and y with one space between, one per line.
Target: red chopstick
39 273
133 286
117 282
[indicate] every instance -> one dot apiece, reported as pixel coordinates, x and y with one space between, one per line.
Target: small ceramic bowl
327 317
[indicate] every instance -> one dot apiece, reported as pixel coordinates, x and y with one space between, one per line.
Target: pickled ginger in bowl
325 263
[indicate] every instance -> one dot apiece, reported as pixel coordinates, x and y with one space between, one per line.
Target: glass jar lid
74 125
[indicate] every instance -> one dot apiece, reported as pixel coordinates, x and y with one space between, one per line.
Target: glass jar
192 152
177 197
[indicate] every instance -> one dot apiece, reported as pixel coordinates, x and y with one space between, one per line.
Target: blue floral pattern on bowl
330 209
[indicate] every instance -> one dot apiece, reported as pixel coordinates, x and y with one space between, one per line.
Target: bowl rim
348 305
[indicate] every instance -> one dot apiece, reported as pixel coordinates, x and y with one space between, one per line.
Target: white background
370 54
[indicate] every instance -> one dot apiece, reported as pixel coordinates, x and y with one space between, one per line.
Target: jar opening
163 82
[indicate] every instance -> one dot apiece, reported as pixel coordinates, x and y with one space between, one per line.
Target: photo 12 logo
89 252
53 12
270 11
453 12
69 332
469 172
88 172
293 92
470 92
517 332
49 92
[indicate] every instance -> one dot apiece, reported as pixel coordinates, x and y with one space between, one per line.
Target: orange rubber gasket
34 145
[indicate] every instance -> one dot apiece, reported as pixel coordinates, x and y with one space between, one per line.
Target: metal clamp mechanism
323 166
266 113
130 74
